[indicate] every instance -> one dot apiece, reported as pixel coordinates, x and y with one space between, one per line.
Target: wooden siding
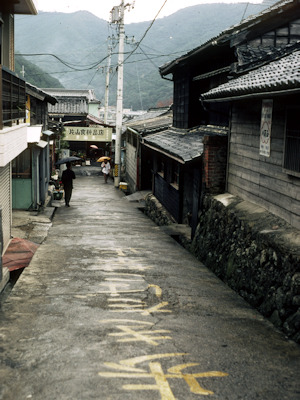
168 196
257 178
131 169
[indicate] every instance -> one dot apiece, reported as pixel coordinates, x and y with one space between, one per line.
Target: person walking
105 169
67 179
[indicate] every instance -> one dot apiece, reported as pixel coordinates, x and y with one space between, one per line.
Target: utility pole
107 80
118 17
22 72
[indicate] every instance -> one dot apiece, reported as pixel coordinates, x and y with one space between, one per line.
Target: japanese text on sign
88 134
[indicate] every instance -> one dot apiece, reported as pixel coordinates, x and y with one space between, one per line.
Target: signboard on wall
265 128
88 134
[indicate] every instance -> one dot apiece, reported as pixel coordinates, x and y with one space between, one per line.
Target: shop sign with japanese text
88 134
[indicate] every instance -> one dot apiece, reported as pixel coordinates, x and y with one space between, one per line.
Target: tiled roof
70 106
183 145
39 93
153 121
225 36
89 94
280 75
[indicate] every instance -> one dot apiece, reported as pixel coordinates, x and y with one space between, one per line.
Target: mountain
73 48
35 75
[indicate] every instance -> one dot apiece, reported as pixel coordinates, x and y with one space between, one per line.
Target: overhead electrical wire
87 67
67 64
147 30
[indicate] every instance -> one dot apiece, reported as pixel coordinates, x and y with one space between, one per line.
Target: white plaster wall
13 141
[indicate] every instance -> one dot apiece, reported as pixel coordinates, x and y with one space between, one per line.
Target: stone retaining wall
156 211
256 254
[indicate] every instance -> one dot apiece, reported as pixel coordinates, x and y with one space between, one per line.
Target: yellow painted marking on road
115 288
162 385
127 369
144 311
123 280
123 274
124 265
124 305
135 251
134 321
140 359
157 308
147 336
127 300
158 290
85 296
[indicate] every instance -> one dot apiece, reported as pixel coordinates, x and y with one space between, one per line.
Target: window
181 102
21 166
292 141
175 174
161 167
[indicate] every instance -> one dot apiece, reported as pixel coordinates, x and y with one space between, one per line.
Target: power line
147 30
67 64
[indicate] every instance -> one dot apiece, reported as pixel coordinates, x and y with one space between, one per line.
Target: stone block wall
156 211
256 254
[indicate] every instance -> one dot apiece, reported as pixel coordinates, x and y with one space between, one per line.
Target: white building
13 126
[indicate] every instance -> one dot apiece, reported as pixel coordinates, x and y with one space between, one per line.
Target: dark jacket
67 178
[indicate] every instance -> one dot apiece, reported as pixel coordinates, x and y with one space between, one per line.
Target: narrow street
113 308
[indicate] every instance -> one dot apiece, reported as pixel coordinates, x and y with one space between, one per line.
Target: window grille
292 141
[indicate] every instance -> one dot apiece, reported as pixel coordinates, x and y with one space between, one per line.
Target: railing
12 97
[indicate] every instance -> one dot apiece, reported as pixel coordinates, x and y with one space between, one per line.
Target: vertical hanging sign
265 128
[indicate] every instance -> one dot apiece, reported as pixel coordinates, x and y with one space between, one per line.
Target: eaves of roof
89 94
69 106
279 77
40 94
181 145
153 125
226 36
151 122
19 7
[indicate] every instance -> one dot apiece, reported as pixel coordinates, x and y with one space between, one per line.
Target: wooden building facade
264 146
247 79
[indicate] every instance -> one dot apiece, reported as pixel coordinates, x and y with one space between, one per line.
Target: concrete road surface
113 308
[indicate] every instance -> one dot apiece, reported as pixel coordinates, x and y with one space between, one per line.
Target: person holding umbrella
105 169
67 179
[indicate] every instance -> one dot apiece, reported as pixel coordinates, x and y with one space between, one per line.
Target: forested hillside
35 75
73 49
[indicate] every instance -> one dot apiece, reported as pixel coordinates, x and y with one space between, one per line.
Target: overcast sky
144 10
